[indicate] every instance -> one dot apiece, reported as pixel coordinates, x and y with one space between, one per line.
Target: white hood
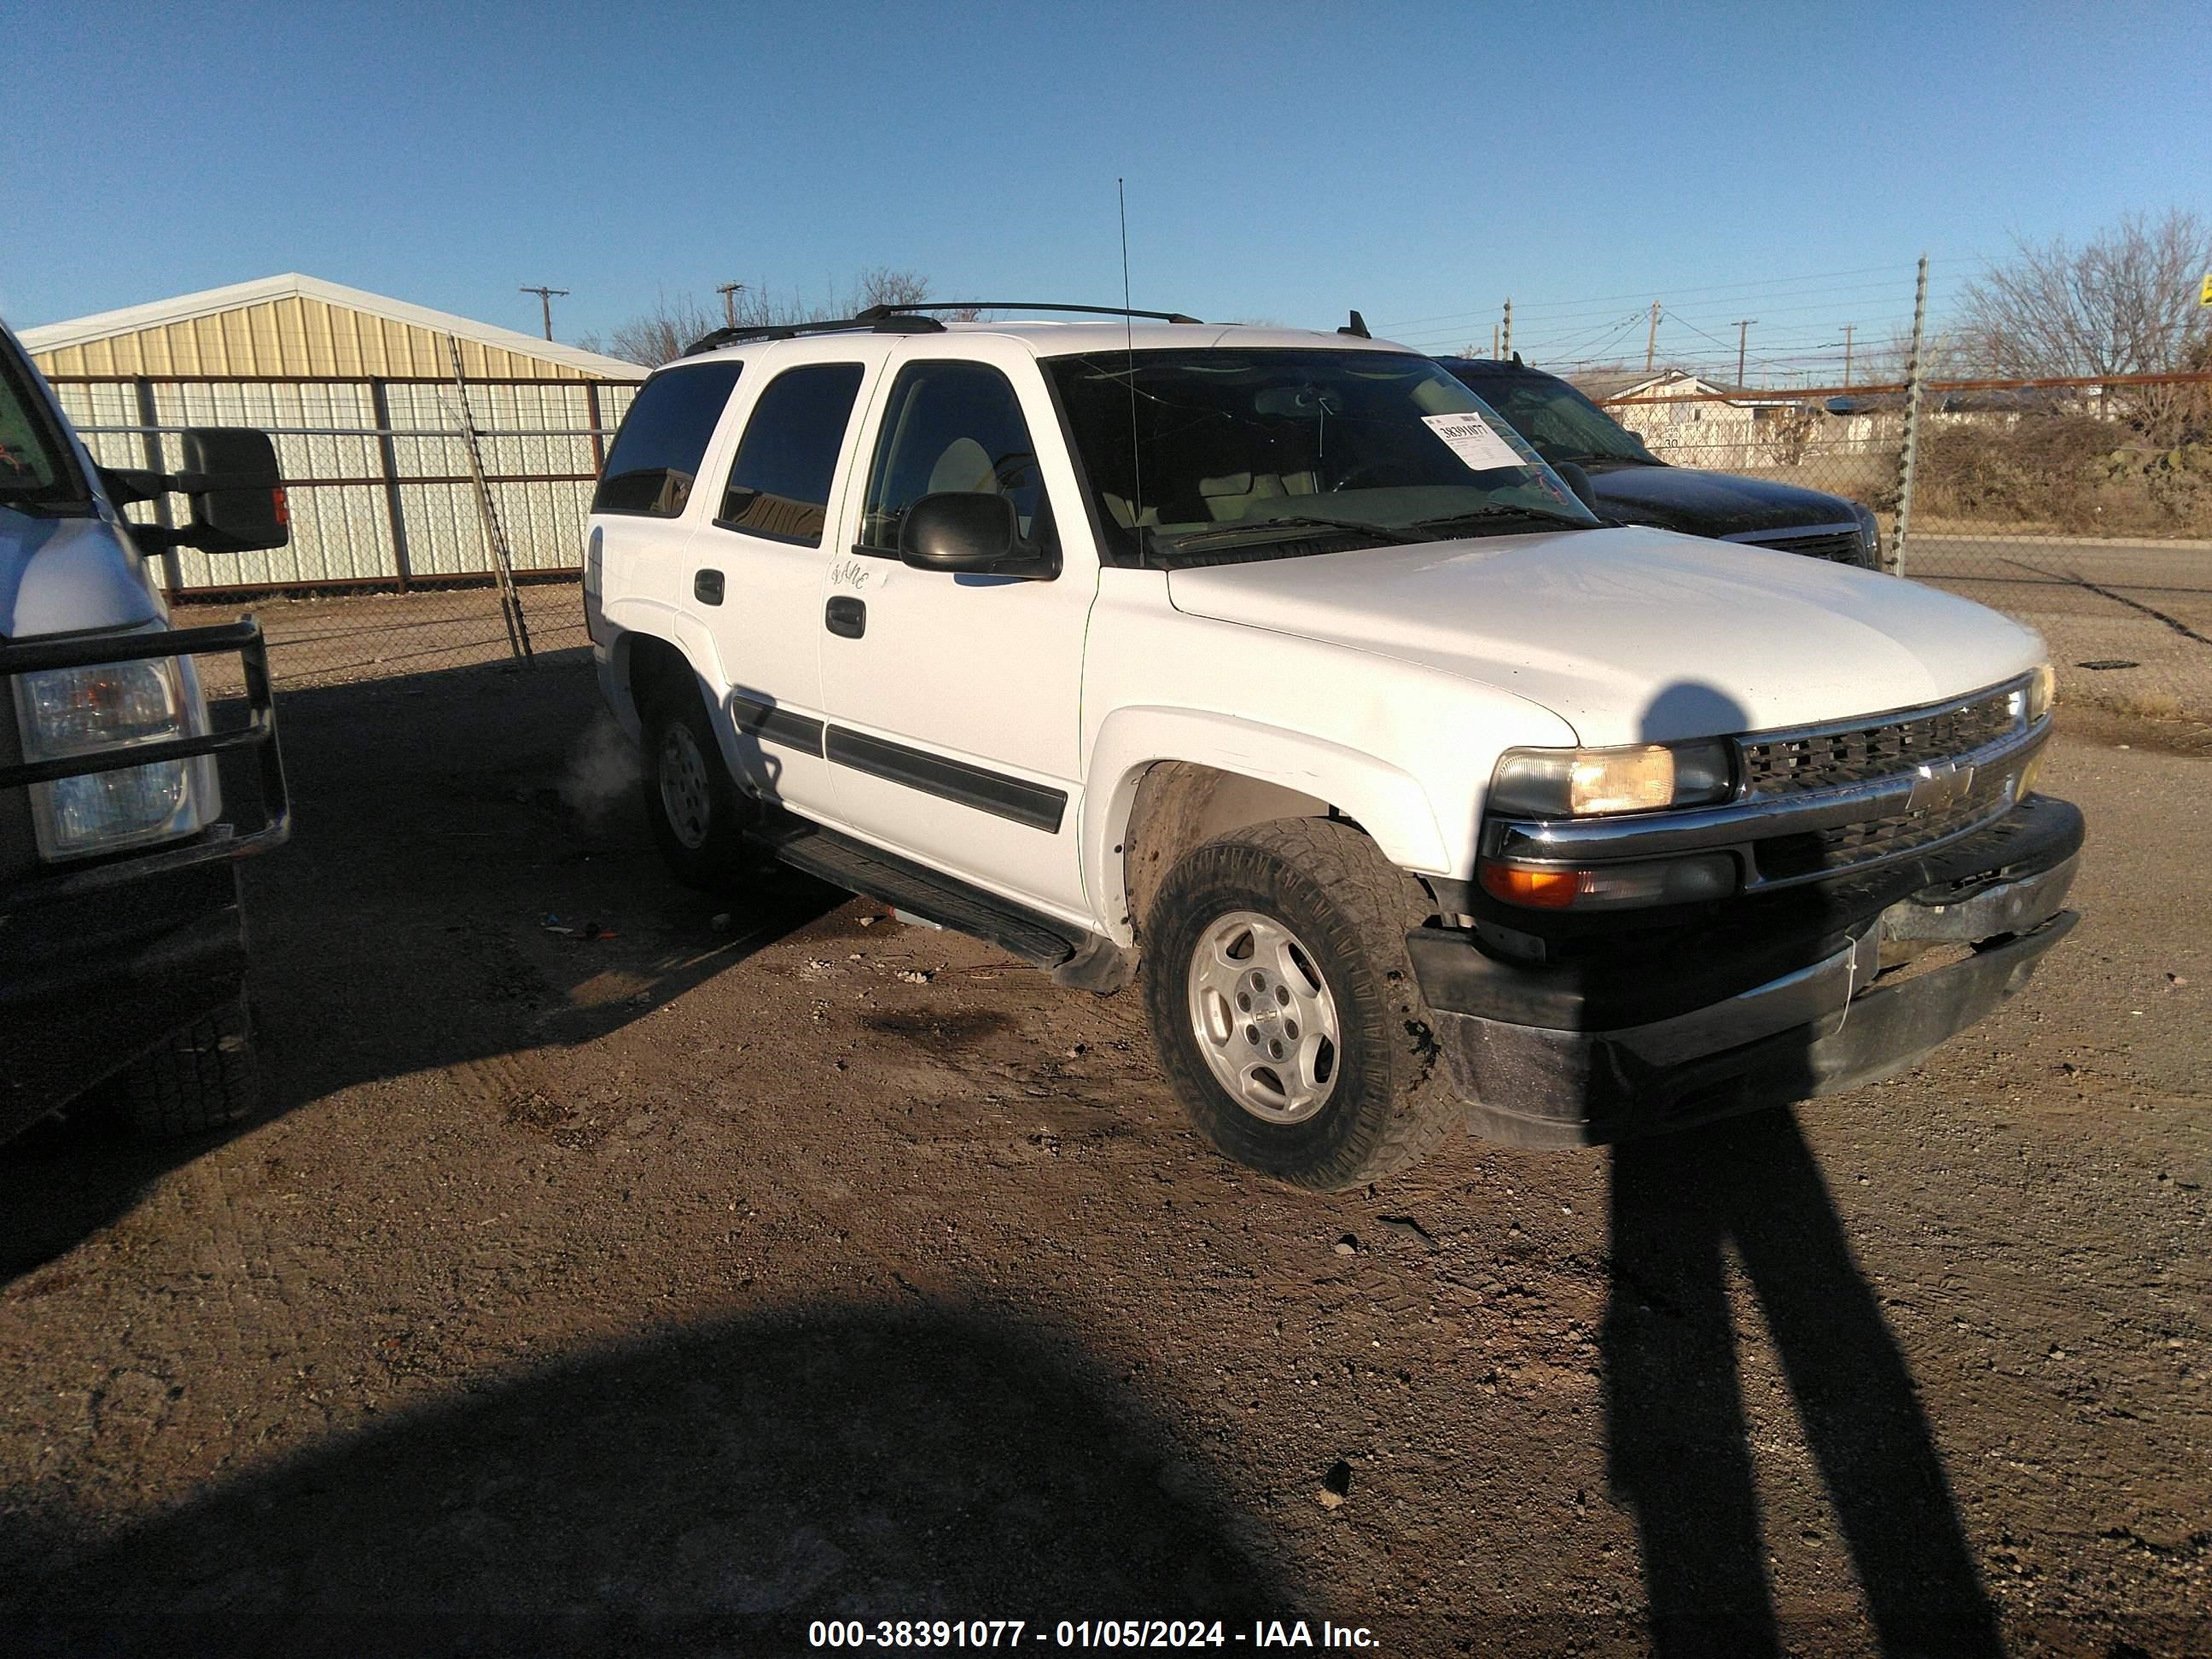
1632 634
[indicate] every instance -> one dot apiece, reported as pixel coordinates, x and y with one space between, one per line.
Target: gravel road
649 1286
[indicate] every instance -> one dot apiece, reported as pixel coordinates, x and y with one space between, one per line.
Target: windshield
1562 423
34 473
1214 455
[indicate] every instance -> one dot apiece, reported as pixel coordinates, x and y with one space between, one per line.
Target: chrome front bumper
1818 999
1835 1025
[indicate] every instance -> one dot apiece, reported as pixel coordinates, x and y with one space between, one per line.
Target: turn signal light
1541 890
1681 880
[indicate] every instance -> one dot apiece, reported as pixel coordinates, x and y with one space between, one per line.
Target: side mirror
969 532
1578 481
237 494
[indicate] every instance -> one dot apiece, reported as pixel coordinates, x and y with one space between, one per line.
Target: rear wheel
697 811
1284 1009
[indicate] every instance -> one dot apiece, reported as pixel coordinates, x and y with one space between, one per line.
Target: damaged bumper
1559 1069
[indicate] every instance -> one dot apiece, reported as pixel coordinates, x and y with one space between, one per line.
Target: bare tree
663 333
882 285
2123 303
1789 432
657 336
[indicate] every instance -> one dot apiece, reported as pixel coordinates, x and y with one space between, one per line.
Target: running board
847 863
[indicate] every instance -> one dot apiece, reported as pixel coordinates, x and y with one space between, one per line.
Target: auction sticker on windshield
1474 441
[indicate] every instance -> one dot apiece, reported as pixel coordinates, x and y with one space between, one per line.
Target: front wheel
201 1078
697 813
1284 1009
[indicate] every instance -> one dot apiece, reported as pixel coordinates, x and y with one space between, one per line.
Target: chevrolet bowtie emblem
1934 788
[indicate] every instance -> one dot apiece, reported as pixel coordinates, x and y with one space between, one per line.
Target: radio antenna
1129 348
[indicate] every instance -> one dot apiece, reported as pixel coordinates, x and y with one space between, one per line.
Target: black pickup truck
1629 484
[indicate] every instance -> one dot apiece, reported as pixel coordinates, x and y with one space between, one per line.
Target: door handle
846 617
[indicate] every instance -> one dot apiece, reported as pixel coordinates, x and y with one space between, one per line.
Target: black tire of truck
205 1077
697 811
1345 910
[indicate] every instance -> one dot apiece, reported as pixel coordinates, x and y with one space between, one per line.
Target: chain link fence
2082 506
392 566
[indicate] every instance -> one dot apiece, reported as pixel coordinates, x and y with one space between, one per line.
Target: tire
206 1076
697 813
1312 907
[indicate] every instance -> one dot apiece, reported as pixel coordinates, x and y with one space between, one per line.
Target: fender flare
632 619
1389 803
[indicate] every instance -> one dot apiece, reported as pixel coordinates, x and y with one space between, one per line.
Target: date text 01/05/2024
1140 1633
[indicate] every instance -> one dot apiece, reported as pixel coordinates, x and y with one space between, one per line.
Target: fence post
1908 456
591 419
172 578
387 458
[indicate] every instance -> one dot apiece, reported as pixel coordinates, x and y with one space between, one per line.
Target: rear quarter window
655 460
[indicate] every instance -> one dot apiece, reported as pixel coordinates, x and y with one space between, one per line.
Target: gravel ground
670 1288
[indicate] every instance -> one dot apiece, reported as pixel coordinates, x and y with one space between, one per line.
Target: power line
1760 286
1722 295
1558 328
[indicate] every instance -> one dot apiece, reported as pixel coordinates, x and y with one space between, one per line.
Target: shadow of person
1679 1452
711 1490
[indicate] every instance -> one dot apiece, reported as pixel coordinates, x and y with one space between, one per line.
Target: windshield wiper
1304 521
1500 510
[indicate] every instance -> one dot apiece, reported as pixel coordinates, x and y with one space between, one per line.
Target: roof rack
880 312
876 320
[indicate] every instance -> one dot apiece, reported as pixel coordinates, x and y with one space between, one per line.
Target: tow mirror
969 531
237 494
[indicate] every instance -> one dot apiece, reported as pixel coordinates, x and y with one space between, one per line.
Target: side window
952 426
779 484
656 456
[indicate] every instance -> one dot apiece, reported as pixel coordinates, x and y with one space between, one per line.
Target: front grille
1850 845
1843 546
1789 766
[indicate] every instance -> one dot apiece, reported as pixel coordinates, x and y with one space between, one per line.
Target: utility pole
1493 342
729 291
545 298
1743 329
1848 329
1651 340
1508 347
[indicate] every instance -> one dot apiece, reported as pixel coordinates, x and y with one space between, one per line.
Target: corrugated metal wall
376 500
294 335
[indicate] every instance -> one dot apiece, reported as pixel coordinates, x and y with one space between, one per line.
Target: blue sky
1285 160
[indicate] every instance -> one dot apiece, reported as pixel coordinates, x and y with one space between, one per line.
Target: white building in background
358 390
1688 420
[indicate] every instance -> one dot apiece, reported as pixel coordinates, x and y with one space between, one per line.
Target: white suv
1277 661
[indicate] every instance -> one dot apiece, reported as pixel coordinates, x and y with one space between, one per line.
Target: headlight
2042 687
67 712
1576 783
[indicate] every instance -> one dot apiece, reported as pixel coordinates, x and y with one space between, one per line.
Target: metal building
359 394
